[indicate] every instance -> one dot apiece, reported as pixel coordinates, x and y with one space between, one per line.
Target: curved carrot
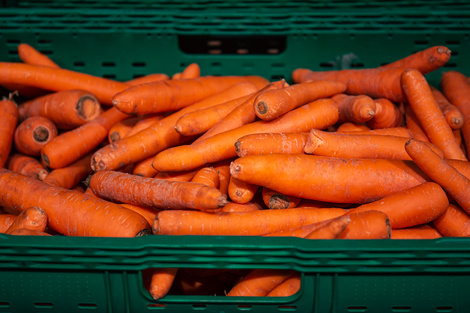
8 121
33 134
259 282
414 126
269 143
440 171
155 193
161 280
452 114
241 192
273 103
191 71
33 218
288 287
69 212
28 232
29 55
355 108
387 115
367 225
6 219
350 127
427 111
71 175
416 232
122 128
148 213
207 176
317 114
425 61
328 179
147 79
171 95
276 200
333 228
26 165
455 222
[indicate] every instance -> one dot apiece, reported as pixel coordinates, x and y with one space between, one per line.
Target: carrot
456 89
350 127
367 225
147 79
440 171
34 133
207 176
6 219
29 55
67 109
359 146
69 212
144 168
372 82
273 103
122 128
392 131
416 232
269 143
288 287
176 76
425 61
191 71
414 126
318 114
26 165
72 145
161 281
234 207
333 228
148 213
452 114
144 122
57 79
427 111
254 223
157 137
8 122
387 115
223 168
241 192
155 193
171 95
33 218
315 204
71 175
455 222
259 282
301 231
328 179
355 108
417 205
181 176
28 232
276 200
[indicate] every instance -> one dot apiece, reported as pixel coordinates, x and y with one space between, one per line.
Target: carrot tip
45 158
41 134
262 107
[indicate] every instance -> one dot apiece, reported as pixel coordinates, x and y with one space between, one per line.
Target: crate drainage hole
244 307
401 309
43 305
357 309
4 304
443 309
88 306
156 306
199 306
287 308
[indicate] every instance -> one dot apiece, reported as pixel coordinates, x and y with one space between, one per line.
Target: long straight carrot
452 114
30 55
69 212
455 222
71 175
8 122
416 232
420 98
328 179
367 225
26 165
288 287
317 114
440 171
33 134
274 103
259 282
155 193
425 61
355 108
269 143
33 218
387 115
171 95
258 222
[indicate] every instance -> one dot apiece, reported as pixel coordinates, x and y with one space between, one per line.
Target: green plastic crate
126 39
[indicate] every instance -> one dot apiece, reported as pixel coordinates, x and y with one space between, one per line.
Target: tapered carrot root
425 61
147 79
6 219
155 193
27 166
259 282
240 191
122 128
452 114
8 121
69 212
417 232
275 200
367 225
28 232
191 71
207 176
29 55
70 176
287 288
274 103
332 229
328 179
269 143
161 281
455 222
414 126
33 134
387 115
259 222
33 218
355 109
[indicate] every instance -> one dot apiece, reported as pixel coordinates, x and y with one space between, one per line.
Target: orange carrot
176 76
71 175
33 134
276 200
414 125
350 127
424 105
273 103
122 128
234 207
223 168
28 232
387 115
26 165
328 179
155 193
359 146
69 212
191 71
302 231
241 192
144 168
29 55
171 95
8 121
33 218
148 213
355 108
414 206
269 143
317 114
66 109
253 223
333 228
161 281
207 176
452 114
181 176
72 145
392 131
259 282
144 122
315 204
455 222
288 287
439 170
416 232
425 61
147 79
6 219
367 225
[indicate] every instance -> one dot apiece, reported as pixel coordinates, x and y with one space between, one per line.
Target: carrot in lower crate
33 134
253 223
148 213
288 287
392 131
425 61
71 175
241 192
359 146
57 79
33 218
269 143
181 176
72 145
191 71
328 179
414 126
155 193
332 229
367 225
455 222
387 115
273 103
29 55
276 200
259 282
69 212
355 108
122 128
6 219
440 171
452 114
317 114
207 176
416 232
161 281
8 122
28 232
26 165
171 95
147 79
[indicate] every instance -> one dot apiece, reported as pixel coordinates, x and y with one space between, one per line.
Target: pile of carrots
375 153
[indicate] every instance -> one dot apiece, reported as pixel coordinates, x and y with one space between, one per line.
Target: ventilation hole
242 51
4 304
89 306
43 305
278 65
110 76
421 42
216 64
277 77
452 42
156 306
356 65
46 52
214 51
244 307
138 75
287 308
273 51
13 41
454 53
78 64
12 52
199 306
450 65
401 309
44 41
443 309
214 43
357 309
139 64
108 64
326 64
